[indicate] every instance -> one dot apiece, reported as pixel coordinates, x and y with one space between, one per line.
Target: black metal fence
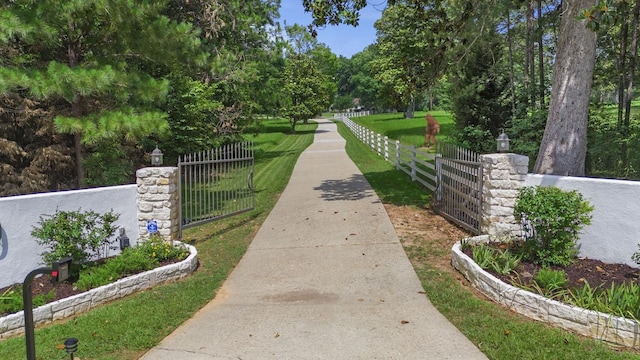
458 195
215 184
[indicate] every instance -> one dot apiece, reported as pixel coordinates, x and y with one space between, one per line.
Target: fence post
413 163
378 144
397 154
386 148
158 202
502 176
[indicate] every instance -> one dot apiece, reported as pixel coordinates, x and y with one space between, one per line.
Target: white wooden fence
418 164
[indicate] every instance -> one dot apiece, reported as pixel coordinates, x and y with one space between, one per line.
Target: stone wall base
593 324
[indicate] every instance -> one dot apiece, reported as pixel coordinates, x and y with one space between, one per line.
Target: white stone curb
14 324
602 326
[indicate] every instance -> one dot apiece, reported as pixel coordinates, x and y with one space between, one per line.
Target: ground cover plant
127 328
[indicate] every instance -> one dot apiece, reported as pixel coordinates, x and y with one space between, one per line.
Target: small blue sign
152 226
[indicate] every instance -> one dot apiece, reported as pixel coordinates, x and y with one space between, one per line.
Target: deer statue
432 129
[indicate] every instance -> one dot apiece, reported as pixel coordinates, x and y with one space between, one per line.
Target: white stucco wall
614 232
19 251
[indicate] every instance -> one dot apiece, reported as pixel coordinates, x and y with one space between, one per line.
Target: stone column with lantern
158 199
503 174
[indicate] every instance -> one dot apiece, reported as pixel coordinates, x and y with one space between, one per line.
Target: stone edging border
602 326
13 324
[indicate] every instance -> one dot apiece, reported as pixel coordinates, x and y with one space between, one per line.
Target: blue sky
343 39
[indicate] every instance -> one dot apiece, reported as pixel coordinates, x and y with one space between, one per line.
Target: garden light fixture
123 239
503 143
71 346
156 157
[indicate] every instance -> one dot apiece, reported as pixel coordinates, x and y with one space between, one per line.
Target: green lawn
408 131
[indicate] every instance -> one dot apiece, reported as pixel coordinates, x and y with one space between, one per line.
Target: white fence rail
418 164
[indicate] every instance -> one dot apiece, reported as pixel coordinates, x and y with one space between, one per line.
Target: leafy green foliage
83 235
307 90
127 263
480 96
557 217
619 299
550 279
483 255
502 261
156 248
11 300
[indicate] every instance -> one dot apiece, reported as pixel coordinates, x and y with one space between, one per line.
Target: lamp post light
503 143
123 239
156 157
60 272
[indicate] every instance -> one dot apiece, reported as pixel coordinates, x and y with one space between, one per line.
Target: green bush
161 250
131 261
557 217
83 235
145 256
11 300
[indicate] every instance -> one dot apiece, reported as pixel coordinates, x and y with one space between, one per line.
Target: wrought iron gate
216 184
458 194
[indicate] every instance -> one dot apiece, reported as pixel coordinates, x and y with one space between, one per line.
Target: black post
27 300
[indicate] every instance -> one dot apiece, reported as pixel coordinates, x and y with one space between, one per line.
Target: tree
564 143
305 88
480 94
98 61
413 45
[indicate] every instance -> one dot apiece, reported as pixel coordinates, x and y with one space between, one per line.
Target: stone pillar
158 200
502 175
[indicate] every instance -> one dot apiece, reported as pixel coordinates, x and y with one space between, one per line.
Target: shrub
155 247
83 235
131 261
557 217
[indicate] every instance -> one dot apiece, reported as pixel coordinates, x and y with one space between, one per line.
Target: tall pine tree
101 64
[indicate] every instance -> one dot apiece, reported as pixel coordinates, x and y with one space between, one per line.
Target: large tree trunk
528 57
564 144
540 36
512 82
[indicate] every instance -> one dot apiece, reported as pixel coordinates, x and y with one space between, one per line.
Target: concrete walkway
325 278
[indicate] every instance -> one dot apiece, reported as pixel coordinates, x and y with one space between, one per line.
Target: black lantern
503 143
71 346
156 157
124 239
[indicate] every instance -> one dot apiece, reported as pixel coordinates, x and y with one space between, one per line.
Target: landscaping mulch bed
44 284
582 270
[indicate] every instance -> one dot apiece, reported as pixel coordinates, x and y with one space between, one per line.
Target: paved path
325 278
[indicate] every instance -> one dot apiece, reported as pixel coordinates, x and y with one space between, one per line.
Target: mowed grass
499 333
127 328
408 131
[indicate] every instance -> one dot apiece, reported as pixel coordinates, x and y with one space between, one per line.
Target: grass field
408 131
